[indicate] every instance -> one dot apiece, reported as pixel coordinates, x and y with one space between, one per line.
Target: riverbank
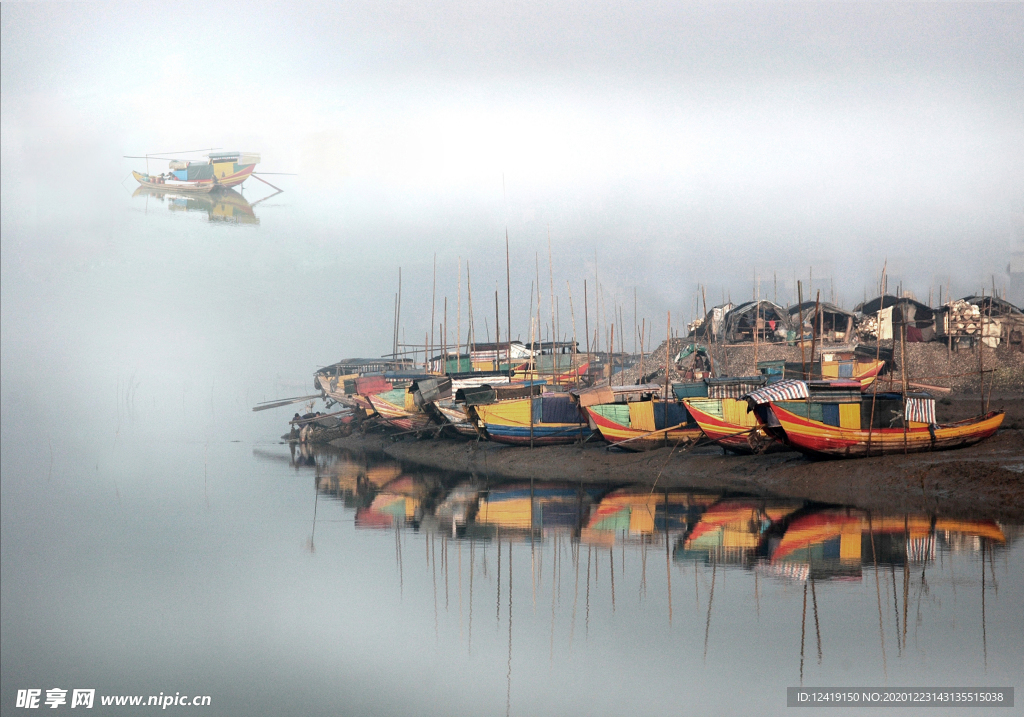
982 481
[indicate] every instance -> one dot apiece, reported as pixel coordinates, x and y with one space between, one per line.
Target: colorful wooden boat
398 409
198 186
542 420
220 170
727 422
455 416
639 426
833 419
232 168
821 439
722 414
842 366
637 418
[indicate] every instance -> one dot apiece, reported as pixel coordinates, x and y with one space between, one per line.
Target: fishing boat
715 405
170 182
637 418
443 399
348 382
548 419
849 424
220 170
398 408
454 415
831 365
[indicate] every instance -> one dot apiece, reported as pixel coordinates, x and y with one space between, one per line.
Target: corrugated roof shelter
770 319
831 323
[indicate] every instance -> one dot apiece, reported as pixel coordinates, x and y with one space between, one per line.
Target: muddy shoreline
985 481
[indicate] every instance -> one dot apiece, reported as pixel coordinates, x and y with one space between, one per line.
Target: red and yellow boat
820 439
398 409
637 418
220 170
833 419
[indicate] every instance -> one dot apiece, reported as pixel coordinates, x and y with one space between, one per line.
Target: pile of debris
964 318
867 328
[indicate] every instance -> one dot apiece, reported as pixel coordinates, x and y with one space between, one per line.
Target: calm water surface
157 538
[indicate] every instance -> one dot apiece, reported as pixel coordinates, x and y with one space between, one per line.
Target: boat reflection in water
710 576
221 205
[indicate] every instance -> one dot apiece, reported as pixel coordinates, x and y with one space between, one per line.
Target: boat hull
509 422
398 416
233 179
457 419
745 438
199 186
634 439
819 439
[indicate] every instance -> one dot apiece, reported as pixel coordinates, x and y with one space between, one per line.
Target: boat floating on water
220 170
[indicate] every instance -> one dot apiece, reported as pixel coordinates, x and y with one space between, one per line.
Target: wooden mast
508 300
878 354
551 299
471 332
800 337
575 353
433 301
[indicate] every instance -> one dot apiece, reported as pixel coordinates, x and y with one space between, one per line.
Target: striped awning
789 389
921 410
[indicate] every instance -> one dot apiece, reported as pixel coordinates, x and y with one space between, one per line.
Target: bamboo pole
575 352
458 324
597 307
878 353
433 301
981 359
611 347
471 333
903 370
398 316
536 259
394 328
668 351
814 329
586 317
532 332
800 318
508 300
551 300
757 317
643 328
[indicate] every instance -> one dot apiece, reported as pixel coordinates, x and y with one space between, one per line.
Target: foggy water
324 582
